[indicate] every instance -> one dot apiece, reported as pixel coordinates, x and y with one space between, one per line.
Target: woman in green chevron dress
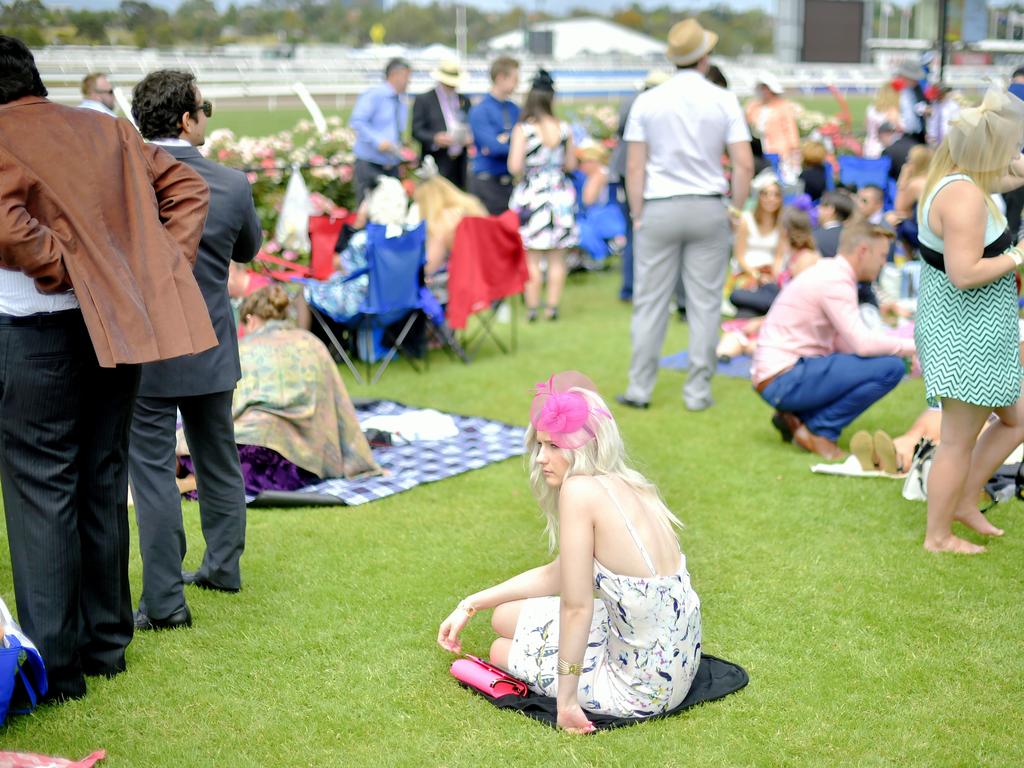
967 332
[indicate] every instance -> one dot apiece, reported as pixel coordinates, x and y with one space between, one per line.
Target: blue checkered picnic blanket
480 442
738 367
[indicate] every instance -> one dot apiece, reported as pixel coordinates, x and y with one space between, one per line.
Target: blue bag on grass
22 673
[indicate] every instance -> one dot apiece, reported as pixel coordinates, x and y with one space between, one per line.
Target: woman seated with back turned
294 421
636 649
443 206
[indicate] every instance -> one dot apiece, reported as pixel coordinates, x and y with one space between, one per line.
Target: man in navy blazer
169 110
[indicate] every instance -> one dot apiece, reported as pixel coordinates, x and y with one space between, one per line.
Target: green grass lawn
262 122
862 649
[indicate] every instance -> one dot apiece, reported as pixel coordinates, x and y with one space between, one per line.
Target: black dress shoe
180 618
60 695
623 400
193 578
100 669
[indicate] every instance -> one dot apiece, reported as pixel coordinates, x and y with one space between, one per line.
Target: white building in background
579 37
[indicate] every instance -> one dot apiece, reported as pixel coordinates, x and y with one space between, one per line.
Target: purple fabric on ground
263 469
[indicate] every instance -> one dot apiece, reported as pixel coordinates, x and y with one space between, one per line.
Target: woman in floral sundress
540 155
634 650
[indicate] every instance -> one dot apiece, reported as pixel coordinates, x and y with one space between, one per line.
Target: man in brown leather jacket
98 233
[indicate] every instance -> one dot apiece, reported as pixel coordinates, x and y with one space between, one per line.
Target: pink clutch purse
488 679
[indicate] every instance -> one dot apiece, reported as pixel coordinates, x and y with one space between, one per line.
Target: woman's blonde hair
942 165
269 303
604 455
887 98
813 153
437 195
796 225
918 161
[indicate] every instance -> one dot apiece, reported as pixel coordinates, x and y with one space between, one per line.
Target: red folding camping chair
486 267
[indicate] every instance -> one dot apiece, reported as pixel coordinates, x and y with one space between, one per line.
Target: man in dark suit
170 111
97 232
833 211
897 148
441 126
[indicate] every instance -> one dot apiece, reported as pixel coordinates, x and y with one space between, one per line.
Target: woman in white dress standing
635 650
541 155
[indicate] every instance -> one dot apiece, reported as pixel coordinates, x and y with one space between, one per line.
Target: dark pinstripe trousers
210 433
64 425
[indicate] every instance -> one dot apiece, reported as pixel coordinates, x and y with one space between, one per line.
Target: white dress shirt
19 297
97 106
687 123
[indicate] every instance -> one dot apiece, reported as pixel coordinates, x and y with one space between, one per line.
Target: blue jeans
827 393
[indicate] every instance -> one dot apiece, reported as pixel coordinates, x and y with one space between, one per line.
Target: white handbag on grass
915 487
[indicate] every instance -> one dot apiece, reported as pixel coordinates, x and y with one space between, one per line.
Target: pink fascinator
563 412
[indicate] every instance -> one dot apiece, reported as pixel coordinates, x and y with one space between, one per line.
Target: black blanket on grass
716 678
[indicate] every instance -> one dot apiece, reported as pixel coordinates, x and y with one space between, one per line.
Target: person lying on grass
635 650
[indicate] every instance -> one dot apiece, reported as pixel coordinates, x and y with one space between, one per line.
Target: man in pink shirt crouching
816 362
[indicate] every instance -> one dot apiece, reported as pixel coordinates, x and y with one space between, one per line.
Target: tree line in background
346 22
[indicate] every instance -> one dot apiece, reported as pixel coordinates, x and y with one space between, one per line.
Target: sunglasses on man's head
206 108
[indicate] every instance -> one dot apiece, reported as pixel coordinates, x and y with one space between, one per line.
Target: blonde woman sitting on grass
635 649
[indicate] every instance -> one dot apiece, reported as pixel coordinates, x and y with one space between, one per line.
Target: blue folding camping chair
394 266
862 171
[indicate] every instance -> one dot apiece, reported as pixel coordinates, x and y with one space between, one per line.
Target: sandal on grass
863 447
885 451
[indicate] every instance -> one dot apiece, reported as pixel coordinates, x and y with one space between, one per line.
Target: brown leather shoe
787 423
813 443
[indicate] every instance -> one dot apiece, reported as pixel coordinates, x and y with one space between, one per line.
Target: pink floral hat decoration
563 412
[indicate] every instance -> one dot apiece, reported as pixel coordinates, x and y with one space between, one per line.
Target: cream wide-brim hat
449 73
656 77
984 139
591 150
689 42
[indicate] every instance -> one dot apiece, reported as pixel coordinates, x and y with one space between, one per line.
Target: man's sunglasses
106 92
206 108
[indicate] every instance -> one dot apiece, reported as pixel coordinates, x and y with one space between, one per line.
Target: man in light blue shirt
379 119
97 94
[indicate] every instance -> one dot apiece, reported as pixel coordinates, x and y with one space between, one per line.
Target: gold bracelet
469 609
1015 254
565 668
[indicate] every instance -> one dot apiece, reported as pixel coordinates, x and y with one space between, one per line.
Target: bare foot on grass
953 544
976 521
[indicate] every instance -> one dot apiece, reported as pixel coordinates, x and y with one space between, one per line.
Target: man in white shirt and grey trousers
676 134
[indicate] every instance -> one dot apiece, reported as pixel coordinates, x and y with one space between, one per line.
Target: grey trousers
690 235
211 437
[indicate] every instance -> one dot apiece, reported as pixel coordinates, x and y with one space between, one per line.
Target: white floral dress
644 644
545 198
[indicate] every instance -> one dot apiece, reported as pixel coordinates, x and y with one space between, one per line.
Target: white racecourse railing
335 75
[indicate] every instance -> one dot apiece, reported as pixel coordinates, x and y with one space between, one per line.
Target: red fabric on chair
487 263
323 234
290 272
